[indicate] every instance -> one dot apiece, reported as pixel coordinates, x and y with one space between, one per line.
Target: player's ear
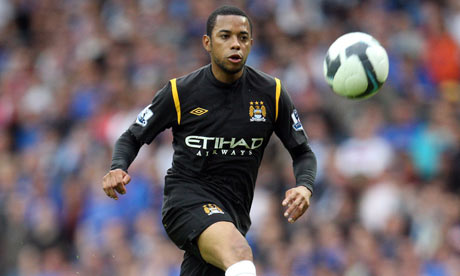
207 43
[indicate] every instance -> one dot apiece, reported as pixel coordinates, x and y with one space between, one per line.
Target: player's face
230 44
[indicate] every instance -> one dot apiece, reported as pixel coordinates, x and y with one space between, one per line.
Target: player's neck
223 76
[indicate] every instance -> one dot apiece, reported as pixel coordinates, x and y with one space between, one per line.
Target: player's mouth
235 58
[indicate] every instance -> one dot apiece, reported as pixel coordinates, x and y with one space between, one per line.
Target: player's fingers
109 182
126 179
117 185
293 206
297 212
106 182
290 196
118 177
120 188
112 193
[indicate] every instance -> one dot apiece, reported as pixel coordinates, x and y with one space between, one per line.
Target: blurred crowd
75 73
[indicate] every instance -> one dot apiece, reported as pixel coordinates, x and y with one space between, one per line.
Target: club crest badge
257 111
211 209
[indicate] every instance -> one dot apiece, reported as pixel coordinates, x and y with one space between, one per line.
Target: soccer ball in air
356 65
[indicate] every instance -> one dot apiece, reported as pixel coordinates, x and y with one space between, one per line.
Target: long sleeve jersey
220 132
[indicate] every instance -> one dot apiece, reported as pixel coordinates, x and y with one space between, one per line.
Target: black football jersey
220 132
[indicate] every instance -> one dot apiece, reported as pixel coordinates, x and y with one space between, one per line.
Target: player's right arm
153 119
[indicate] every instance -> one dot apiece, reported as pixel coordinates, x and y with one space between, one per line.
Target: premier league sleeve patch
297 125
144 116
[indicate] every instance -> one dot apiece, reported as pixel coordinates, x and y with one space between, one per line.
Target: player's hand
115 181
297 201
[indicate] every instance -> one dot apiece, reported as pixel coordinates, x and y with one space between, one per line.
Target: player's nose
235 43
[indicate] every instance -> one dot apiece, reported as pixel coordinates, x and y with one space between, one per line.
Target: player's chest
243 111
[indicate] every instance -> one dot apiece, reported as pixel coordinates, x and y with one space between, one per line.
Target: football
356 66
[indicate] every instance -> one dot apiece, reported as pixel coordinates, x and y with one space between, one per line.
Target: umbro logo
199 111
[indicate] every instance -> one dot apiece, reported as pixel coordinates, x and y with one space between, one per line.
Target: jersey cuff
126 149
306 182
304 165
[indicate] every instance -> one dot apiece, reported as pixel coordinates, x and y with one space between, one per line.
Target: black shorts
183 226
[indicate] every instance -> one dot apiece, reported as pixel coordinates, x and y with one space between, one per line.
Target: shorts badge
211 209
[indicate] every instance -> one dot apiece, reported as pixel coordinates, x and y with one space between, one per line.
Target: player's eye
244 38
224 36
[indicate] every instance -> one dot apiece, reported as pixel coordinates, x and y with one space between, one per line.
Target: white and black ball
356 66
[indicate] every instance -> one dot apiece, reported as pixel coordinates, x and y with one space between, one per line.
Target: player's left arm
291 133
297 199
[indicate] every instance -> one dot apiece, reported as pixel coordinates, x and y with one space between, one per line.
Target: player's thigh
185 224
222 245
195 266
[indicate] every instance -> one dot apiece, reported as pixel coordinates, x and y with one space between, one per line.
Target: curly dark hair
224 10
